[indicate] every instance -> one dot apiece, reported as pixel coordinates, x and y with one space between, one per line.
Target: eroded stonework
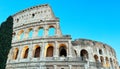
34 47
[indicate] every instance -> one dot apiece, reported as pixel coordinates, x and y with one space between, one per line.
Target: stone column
45 31
30 53
26 34
16 36
69 49
35 32
70 66
56 49
58 31
42 51
55 66
19 53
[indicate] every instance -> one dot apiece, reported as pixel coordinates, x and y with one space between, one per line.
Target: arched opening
25 52
49 51
96 58
62 51
37 52
30 33
20 35
100 51
40 31
15 53
51 31
102 60
107 62
111 60
84 55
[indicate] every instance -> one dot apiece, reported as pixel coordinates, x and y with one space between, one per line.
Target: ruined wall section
96 52
34 14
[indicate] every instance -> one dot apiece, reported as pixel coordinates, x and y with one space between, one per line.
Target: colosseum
33 47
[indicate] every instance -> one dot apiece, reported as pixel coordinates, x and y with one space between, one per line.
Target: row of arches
37 51
40 31
83 54
105 61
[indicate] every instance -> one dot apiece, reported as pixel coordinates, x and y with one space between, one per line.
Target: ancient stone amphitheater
33 47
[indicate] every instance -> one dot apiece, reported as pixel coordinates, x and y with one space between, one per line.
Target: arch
49 52
20 35
100 52
15 53
51 31
37 51
30 33
62 50
25 52
40 31
111 60
107 62
102 60
96 58
84 54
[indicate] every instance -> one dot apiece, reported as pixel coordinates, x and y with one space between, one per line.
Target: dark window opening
33 15
17 20
63 52
96 58
26 53
84 54
100 51
37 52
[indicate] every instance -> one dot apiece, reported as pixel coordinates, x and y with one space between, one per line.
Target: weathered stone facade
30 50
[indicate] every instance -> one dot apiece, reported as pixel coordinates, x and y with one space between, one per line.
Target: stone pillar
69 49
30 53
55 66
58 31
20 53
26 34
35 32
56 49
70 66
42 50
46 31
90 54
16 36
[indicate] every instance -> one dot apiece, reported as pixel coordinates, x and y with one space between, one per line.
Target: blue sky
91 19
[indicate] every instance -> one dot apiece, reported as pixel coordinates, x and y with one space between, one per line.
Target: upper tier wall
33 14
93 43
